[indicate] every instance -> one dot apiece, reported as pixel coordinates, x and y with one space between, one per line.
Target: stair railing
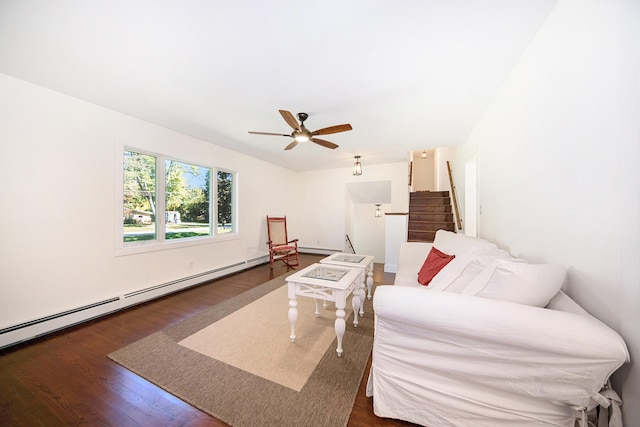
350 244
454 196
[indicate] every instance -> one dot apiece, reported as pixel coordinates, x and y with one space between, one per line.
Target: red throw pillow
436 260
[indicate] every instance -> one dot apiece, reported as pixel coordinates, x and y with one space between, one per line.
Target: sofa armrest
560 357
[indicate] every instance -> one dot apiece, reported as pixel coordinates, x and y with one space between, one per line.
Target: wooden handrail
454 196
350 244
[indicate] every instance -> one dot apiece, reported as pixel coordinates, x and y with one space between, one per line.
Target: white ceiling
407 75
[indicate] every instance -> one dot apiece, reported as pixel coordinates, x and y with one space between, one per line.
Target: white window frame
234 198
161 243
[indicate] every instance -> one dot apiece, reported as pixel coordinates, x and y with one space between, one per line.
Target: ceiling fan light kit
302 134
357 166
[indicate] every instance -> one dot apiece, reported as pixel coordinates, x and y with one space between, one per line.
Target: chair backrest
277 229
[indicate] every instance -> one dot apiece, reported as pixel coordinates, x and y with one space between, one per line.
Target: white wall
58 165
559 161
441 156
423 173
324 204
470 225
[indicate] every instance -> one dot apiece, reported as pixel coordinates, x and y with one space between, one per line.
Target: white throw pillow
529 284
456 275
466 276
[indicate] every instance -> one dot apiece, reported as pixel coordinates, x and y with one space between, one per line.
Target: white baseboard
319 251
391 268
25 331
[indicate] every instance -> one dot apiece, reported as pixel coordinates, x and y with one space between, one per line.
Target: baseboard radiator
317 251
32 329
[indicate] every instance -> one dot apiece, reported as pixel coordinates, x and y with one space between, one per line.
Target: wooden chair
280 247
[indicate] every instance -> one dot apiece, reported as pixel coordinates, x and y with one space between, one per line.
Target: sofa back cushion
519 282
459 244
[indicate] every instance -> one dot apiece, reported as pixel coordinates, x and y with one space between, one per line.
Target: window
187 202
139 197
225 202
178 207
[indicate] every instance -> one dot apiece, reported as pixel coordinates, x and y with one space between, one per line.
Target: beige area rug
235 360
255 339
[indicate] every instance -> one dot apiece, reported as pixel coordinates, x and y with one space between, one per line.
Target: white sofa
491 341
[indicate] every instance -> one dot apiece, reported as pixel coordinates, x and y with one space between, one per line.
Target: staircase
429 211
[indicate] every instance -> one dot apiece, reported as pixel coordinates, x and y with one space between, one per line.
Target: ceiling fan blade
268 133
324 143
332 129
290 146
288 117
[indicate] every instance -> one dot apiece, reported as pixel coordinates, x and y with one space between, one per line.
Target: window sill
145 247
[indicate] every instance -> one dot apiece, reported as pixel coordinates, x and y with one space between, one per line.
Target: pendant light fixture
357 166
378 211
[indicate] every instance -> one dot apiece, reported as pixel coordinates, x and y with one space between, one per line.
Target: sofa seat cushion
563 302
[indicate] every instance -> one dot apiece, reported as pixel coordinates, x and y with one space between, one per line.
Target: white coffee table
326 283
364 262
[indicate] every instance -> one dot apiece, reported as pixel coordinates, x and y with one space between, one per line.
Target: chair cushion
283 248
435 261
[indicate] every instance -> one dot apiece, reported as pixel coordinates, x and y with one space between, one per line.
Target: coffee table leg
293 317
340 328
356 302
317 307
370 281
361 294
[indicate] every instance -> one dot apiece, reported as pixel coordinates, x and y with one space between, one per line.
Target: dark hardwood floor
66 379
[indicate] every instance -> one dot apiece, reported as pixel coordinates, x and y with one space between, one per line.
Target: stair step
432 201
427 194
431 226
429 209
422 236
431 216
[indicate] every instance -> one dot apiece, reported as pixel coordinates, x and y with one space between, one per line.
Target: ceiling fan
302 134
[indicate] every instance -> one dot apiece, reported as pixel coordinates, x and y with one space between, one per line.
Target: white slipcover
447 359
413 254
